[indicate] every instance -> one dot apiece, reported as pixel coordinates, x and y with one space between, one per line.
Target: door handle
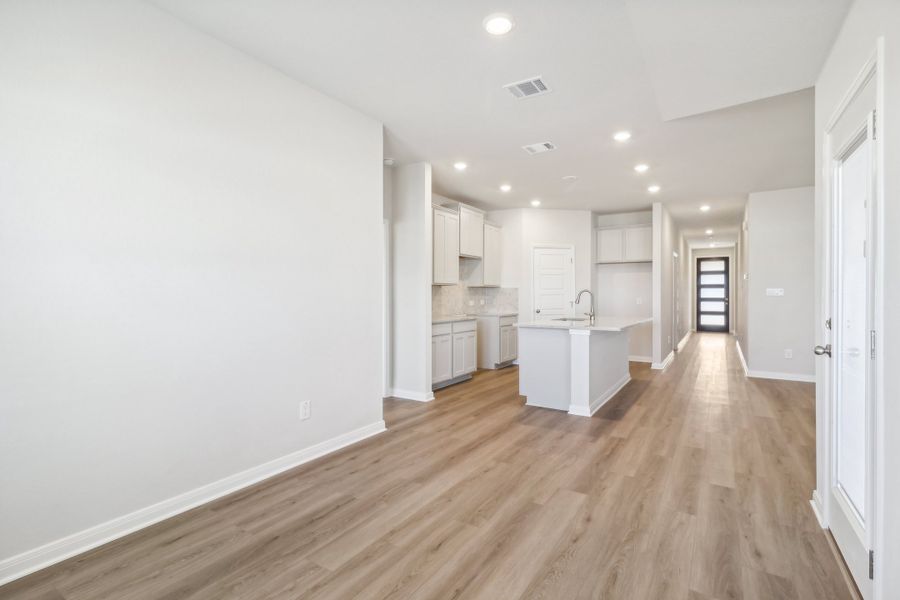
820 350
537 310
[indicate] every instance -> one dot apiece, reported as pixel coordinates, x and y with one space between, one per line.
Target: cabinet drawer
511 320
461 326
441 329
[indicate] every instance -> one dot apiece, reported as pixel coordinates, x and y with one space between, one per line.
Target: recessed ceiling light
505 187
622 136
653 189
709 232
641 168
460 166
498 24
535 202
705 208
570 177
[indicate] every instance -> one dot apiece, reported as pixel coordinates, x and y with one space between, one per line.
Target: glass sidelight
712 294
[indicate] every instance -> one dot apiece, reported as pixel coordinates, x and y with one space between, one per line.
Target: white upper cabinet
639 244
445 266
486 271
471 232
609 245
625 244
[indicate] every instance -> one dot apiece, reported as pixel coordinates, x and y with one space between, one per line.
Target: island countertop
600 324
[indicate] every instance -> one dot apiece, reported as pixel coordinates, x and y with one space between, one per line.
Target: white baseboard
817 508
684 340
411 395
782 376
741 355
600 400
660 366
77 543
640 359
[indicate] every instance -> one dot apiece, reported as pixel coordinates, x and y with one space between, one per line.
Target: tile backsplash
454 300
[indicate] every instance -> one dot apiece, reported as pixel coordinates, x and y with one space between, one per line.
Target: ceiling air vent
538 148
528 88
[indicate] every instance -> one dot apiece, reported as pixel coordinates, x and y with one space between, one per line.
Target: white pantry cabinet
624 244
471 232
486 271
498 340
445 251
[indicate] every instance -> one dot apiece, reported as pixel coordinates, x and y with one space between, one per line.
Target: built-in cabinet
624 244
485 272
454 352
445 267
498 341
471 232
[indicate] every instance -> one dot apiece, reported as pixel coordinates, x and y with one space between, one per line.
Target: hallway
697 471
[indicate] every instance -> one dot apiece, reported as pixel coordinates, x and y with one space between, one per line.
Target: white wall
742 290
666 240
190 245
780 227
411 278
523 228
866 21
626 290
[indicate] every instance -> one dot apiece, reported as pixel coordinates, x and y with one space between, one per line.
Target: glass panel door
712 294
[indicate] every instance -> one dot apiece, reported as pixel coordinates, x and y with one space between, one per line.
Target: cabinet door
609 245
439 262
451 249
471 232
491 260
441 358
638 244
470 352
504 343
513 343
459 354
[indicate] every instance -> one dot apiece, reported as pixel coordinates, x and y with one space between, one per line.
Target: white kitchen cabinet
497 340
471 232
454 352
445 252
624 244
441 358
485 272
638 244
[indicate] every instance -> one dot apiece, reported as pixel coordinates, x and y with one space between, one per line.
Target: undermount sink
571 319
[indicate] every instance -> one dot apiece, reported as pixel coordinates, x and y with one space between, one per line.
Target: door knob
538 310
820 350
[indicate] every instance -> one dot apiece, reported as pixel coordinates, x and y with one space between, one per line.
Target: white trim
665 363
78 543
741 356
783 376
684 340
412 395
816 503
640 359
600 400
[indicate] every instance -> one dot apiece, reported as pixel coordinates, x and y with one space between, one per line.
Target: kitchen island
573 365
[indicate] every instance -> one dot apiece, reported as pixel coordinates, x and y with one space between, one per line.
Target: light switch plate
774 291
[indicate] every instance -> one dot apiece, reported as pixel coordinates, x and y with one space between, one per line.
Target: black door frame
720 328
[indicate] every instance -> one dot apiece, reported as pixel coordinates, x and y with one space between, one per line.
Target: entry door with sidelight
553 281
712 294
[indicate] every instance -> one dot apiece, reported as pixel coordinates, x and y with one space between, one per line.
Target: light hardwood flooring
691 484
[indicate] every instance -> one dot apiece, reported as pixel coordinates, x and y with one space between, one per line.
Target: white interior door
553 281
852 365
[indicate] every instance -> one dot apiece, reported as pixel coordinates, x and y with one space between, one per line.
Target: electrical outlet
788 353
305 410
670 339
639 301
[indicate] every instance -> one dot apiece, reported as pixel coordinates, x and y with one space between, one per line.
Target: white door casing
553 281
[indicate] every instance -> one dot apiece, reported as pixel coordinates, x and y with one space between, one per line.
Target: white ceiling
434 77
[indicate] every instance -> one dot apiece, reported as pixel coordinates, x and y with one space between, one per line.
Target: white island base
574 367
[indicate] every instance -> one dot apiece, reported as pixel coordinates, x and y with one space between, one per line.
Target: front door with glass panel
712 294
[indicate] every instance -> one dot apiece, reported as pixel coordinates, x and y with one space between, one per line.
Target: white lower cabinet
498 341
454 351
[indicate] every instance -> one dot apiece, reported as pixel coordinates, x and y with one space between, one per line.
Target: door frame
571 273
727 285
821 501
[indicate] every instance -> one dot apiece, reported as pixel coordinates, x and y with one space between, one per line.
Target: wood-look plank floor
690 484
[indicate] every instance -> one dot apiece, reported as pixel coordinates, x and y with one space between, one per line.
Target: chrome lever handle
823 350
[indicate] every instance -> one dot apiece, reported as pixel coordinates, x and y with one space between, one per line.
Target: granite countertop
600 324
